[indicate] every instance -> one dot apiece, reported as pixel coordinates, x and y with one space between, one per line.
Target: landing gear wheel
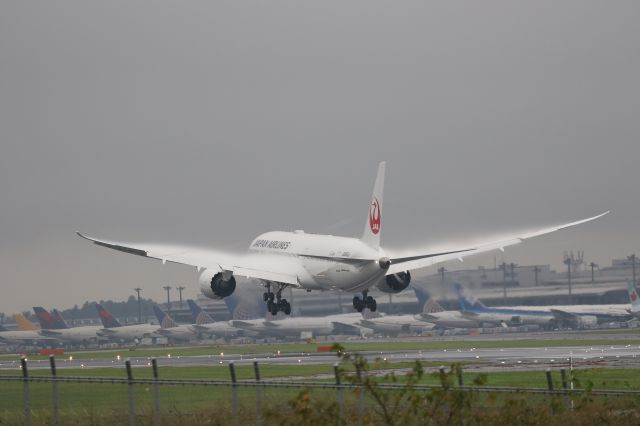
272 308
373 305
356 302
275 302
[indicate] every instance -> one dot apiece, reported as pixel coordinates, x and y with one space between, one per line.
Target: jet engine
214 286
395 283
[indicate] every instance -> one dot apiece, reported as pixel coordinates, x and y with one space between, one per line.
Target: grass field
274 348
90 403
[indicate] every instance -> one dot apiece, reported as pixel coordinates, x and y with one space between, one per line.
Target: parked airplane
299 326
27 332
317 262
114 330
22 336
53 325
204 324
634 299
434 313
475 310
575 316
396 324
23 323
170 328
581 315
249 313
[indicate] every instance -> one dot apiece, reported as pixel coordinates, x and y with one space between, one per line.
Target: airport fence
345 399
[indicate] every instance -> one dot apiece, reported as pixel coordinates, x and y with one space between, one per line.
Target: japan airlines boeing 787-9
317 262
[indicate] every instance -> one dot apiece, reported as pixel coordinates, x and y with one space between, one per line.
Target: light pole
441 271
513 274
503 266
593 267
167 288
180 288
567 261
138 290
535 274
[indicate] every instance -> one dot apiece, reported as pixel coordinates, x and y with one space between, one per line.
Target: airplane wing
423 260
270 268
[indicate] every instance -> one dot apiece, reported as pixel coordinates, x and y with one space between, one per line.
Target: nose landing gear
275 302
366 302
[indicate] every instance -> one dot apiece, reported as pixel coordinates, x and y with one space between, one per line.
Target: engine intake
214 286
395 283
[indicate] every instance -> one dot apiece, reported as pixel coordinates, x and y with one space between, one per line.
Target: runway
601 355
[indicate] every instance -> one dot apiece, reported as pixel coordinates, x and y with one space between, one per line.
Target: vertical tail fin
198 316
428 305
246 305
373 225
48 321
108 321
467 301
633 297
57 318
23 323
164 319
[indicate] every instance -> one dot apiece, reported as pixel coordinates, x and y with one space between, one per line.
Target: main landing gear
365 302
275 302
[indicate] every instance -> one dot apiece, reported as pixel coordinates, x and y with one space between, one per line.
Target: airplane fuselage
324 262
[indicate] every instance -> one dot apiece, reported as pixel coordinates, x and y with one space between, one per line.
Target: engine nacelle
214 286
395 283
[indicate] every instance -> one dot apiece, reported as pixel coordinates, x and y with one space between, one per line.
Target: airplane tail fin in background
164 319
467 301
48 321
108 321
57 317
432 306
373 225
24 324
428 305
634 299
246 305
198 315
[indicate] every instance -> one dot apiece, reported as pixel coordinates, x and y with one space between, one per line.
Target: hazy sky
210 122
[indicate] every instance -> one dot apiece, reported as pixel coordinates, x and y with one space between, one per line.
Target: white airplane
204 324
297 326
576 316
21 336
280 259
249 314
27 332
170 328
587 315
116 331
434 313
54 326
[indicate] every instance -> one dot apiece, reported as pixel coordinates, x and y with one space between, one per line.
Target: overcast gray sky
210 122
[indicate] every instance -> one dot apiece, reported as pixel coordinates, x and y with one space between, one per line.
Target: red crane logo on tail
634 296
374 216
